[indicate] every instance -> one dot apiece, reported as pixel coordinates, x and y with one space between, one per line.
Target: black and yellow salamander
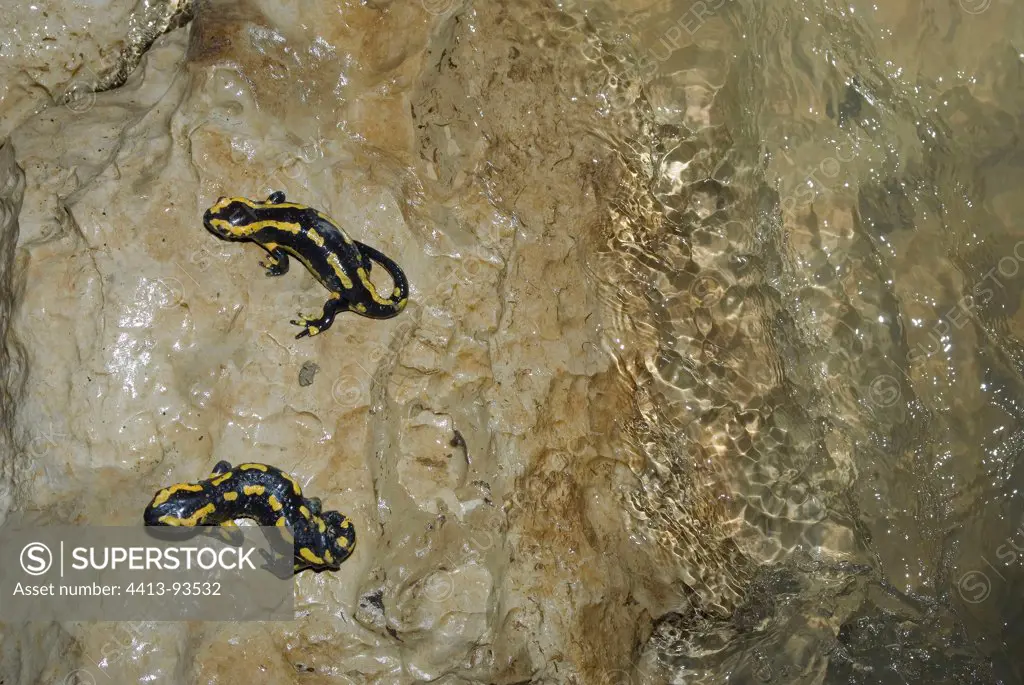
339 263
267 495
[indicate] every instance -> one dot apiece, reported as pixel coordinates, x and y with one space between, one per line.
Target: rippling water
812 282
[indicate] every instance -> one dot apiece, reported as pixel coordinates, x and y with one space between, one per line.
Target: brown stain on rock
218 31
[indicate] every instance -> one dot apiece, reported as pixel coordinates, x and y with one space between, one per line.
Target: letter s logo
36 558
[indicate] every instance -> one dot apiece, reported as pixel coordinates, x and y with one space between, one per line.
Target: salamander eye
238 216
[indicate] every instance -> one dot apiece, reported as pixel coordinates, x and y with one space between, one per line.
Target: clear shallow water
812 281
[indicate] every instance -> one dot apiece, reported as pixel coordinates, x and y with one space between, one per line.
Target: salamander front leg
222 466
276 263
227 532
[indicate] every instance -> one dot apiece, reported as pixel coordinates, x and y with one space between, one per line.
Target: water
797 225
812 283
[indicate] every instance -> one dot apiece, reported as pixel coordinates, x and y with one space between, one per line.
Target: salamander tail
381 307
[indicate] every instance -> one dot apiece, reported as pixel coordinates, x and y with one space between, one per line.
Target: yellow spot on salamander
194 520
295 486
397 292
229 524
248 230
368 284
341 542
166 493
320 524
359 307
249 490
304 511
345 525
274 504
328 557
286 533
339 271
258 467
315 237
308 555
220 479
223 225
230 496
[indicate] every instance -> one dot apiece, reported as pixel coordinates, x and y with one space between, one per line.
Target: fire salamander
339 263
321 540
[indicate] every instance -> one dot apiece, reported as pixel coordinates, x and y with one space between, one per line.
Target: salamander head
232 218
184 504
340 536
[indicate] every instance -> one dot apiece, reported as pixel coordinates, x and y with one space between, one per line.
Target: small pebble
307 372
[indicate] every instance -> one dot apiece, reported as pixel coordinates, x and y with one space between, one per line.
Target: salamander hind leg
315 326
276 198
222 466
280 565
